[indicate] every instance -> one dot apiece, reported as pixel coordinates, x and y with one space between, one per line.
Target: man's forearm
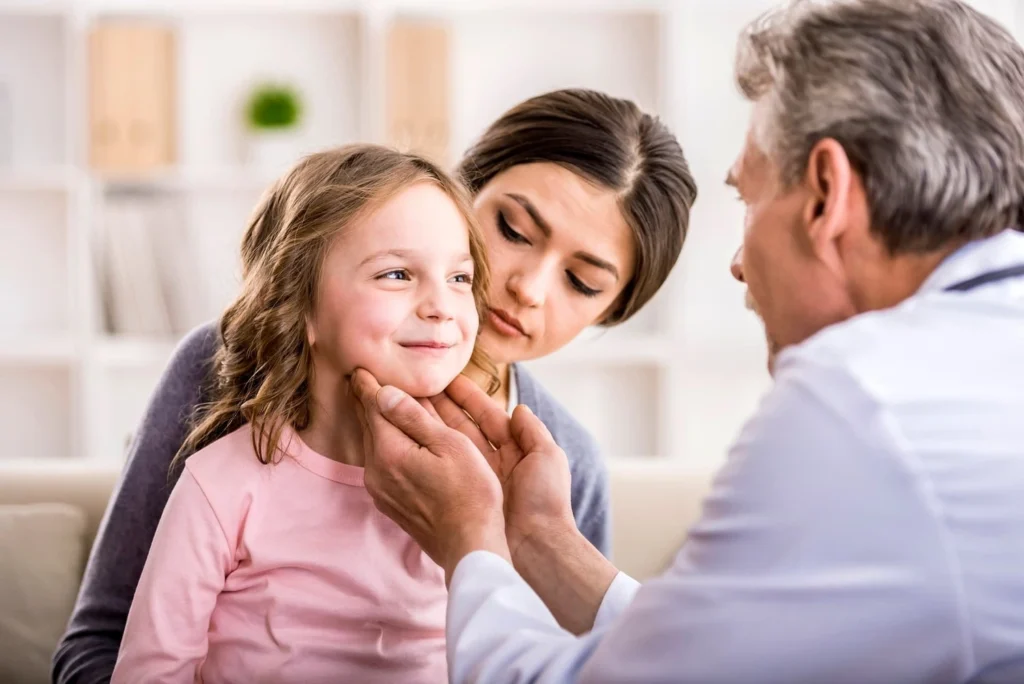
566 571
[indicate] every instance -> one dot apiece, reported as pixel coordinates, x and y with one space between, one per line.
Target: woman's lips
505 324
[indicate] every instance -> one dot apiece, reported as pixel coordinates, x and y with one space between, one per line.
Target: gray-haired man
869 523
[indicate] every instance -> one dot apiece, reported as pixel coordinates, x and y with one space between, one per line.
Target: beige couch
49 513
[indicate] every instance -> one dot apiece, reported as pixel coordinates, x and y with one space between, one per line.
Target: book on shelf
418 117
132 78
149 283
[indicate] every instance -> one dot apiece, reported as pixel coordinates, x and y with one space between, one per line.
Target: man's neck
884 283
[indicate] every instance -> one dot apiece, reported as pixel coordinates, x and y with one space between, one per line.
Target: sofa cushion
42 550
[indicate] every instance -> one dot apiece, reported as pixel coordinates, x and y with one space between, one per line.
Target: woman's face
560 252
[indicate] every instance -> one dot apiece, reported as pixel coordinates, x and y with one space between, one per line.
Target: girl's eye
580 287
508 232
397 274
463 278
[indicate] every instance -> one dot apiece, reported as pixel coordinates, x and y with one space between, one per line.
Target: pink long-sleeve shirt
281 573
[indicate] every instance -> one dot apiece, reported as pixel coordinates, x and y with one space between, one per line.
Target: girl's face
560 253
395 295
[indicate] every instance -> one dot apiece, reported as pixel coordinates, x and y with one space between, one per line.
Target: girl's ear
310 332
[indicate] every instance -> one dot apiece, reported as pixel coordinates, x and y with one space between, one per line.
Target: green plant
273 106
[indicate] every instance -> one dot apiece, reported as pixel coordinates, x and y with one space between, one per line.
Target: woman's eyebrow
541 222
545 228
598 262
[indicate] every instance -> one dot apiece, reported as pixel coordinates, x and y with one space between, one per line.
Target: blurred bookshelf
126 183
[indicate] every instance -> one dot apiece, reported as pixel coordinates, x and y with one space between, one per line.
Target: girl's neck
482 379
334 430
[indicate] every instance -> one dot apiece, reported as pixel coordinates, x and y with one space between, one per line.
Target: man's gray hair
925 96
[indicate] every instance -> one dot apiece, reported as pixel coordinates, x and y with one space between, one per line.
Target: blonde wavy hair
263 366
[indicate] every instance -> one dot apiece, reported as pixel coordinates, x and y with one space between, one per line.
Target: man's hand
430 479
532 468
548 551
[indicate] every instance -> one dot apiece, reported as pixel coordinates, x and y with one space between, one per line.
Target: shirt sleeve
818 558
165 637
619 595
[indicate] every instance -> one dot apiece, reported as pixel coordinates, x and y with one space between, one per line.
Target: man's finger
406 414
365 387
530 432
457 419
493 421
429 406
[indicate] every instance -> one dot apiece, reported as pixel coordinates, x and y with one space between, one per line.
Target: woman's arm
591 502
88 650
166 635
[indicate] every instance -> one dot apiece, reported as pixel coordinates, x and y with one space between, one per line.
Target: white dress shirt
867 527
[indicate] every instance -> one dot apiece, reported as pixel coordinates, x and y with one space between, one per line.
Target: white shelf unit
675 383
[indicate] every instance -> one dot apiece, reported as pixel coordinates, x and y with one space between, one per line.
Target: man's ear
828 179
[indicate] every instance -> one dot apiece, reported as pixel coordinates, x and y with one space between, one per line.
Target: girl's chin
419 383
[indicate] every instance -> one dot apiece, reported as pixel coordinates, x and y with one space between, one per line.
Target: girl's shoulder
228 461
232 479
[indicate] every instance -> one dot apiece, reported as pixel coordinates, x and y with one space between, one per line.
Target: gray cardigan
88 650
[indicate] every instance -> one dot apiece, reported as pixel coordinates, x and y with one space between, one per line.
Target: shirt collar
513 390
979 256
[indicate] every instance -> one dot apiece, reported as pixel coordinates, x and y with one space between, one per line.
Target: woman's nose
736 267
529 287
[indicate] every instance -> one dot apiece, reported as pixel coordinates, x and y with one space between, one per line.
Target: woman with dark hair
584 202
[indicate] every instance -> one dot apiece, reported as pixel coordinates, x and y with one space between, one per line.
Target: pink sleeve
165 638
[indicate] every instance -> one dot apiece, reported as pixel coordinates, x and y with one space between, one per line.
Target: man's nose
736 267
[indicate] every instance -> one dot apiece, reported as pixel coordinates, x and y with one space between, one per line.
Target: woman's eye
463 278
579 286
508 232
397 274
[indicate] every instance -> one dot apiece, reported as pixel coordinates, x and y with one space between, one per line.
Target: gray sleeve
590 497
88 650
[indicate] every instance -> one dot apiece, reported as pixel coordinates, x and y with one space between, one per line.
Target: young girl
270 563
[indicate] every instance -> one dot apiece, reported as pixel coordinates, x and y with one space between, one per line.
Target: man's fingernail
388 397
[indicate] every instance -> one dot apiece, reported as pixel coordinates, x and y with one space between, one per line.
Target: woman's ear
609 315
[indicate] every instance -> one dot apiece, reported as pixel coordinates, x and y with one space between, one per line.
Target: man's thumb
406 414
388 398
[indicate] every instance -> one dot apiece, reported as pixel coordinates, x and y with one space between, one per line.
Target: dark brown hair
610 142
263 365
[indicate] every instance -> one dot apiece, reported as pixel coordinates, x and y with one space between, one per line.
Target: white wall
677 382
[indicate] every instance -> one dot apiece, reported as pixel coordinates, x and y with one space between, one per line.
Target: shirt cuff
483 564
619 595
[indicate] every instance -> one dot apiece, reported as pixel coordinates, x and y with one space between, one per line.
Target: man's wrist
478 537
569 574
525 536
